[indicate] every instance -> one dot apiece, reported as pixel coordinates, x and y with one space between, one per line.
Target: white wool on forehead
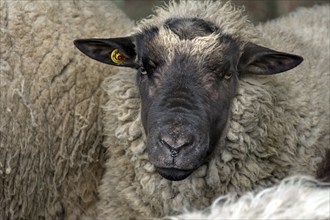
224 15
197 47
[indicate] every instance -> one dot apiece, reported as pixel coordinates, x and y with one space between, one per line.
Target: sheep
296 197
51 153
206 113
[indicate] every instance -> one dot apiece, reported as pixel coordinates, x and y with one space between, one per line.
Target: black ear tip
80 44
77 42
298 59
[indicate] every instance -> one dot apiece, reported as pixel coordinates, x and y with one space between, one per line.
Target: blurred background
258 10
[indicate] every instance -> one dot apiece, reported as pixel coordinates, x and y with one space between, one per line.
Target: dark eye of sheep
228 75
142 71
224 70
148 67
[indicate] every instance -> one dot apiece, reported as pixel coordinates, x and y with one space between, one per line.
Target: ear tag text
117 57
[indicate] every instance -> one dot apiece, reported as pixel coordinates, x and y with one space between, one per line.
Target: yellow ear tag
117 57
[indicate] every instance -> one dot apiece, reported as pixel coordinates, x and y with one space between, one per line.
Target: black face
185 102
187 77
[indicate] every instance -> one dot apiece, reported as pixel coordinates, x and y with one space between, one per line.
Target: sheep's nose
176 144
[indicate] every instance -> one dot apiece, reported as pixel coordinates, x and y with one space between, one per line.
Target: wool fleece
51 154
279 125
296 197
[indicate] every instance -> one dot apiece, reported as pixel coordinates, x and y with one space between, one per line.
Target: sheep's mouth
173 174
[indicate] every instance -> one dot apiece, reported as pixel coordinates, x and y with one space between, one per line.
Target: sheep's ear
264 61
113 51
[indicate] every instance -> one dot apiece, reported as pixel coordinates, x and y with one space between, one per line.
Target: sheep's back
51 157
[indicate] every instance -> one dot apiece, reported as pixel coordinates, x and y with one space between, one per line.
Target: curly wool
278 126
297 197
51 153
220 13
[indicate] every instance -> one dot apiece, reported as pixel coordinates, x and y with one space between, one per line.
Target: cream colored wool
279 124
297 197
51 154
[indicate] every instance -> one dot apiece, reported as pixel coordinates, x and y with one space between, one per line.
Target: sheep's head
187 74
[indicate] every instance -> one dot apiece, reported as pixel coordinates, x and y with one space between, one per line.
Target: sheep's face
187 77
188 80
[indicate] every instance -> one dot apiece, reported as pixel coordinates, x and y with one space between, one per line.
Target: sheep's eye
142 70
228 75
116 57
147 68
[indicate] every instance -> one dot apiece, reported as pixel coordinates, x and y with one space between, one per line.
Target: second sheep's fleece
51 153
297 197
278 126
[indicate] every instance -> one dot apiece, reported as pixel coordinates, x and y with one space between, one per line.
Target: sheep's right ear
264 61
113 51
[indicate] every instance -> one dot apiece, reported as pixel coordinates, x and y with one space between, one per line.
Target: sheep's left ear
264 61
113 51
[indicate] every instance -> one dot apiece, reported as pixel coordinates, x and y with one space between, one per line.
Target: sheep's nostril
175 145
174 153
